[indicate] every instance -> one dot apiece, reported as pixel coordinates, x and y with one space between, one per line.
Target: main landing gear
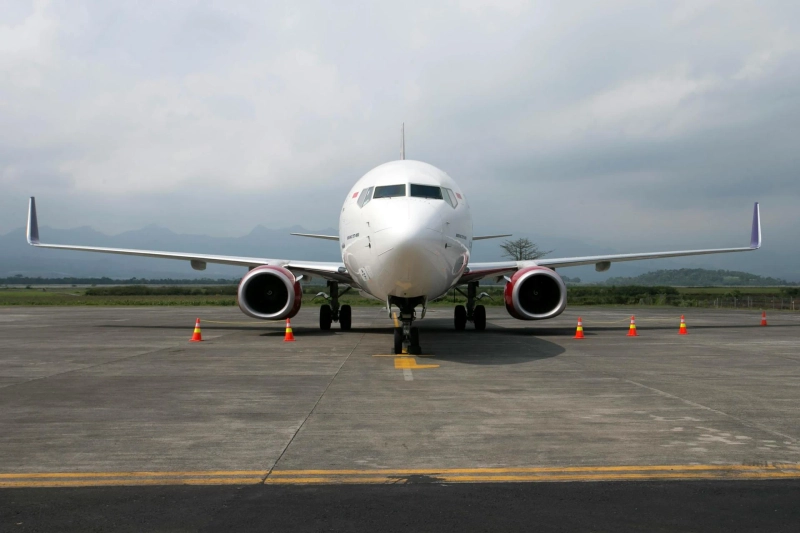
332 312
471 313
406 336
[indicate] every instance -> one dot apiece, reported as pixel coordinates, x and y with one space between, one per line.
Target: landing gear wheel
460 317
414 348
479 318
345 317
325 317
398 340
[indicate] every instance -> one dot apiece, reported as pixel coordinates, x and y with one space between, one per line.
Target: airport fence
747 302
784 298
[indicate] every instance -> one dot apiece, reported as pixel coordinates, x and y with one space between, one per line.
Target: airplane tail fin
403 141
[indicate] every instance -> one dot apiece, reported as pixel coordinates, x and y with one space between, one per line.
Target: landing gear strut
471 313
332 312
406 336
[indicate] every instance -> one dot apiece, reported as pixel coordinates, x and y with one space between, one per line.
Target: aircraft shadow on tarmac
439 340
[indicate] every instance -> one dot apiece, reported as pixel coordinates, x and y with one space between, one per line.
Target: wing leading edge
480 270
332 271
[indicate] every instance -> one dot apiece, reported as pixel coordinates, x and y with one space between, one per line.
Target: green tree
522 250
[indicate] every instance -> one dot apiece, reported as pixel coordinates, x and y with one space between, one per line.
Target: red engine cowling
269 292
535 293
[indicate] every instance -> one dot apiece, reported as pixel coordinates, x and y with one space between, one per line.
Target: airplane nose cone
407 229
410 251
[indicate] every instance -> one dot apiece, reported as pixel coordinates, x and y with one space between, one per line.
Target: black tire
460 317
345 317
398 340
414 342
479 318
325 317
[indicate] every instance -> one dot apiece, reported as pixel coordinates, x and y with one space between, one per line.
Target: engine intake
535 293
269 292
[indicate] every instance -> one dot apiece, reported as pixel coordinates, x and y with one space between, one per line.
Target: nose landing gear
471 313
332 312
406 336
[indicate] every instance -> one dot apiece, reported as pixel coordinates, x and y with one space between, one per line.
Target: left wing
317 236
331 271
476 271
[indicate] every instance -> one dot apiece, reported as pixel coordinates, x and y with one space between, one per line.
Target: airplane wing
331 271
478 271
484 237
317 236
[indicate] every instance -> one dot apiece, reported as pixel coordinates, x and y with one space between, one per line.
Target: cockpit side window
450 198
365 197
389 191
426 191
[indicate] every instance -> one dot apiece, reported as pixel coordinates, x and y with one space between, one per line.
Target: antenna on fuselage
403 141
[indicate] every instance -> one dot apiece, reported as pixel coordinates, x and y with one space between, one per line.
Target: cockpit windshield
426 191
365 197
389 191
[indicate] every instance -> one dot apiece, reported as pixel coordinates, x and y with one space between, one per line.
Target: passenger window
426 191
389 191
365 197
450 198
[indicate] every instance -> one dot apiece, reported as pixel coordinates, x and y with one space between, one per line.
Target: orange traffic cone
682 330
289 337
632 328
763 318
197 336
579 331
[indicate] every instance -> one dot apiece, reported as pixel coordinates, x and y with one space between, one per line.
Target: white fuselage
407 243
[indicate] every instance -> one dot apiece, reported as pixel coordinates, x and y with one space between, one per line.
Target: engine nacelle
269 292
535 293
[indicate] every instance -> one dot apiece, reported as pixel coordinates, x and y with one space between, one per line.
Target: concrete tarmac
117 396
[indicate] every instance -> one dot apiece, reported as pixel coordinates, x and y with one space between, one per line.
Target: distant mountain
699 277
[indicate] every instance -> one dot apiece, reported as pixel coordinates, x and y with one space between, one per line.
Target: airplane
405 233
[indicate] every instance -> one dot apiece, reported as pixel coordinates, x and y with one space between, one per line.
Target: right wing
331 271
484 237
476 271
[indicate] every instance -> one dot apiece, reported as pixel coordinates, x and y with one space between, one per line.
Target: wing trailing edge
316 236
484 237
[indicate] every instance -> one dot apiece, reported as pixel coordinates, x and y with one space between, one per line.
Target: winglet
755 233
33 224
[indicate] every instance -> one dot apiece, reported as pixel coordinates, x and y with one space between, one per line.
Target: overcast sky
629 124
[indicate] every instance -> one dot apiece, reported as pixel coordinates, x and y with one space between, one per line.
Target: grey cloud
215 117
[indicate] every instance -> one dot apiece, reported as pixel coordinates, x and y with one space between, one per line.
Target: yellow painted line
205 321
628 477
224 473
132 482
400 355
389 476
396 322
542 478
410 363
502 470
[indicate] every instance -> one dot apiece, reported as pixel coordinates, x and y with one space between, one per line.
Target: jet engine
535 293
269 292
